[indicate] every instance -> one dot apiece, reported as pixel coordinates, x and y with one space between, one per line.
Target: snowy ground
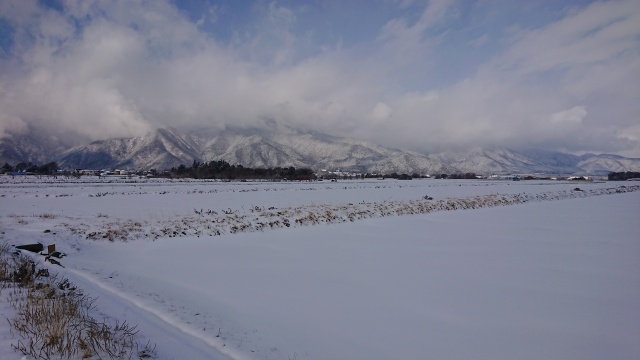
536 270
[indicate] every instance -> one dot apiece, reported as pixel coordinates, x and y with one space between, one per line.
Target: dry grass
53 318
230 221
18 219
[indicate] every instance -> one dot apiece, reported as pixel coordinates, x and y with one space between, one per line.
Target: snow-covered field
213 270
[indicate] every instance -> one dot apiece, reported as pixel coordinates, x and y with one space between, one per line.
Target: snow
544 279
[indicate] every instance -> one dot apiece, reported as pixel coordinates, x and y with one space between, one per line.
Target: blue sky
423 75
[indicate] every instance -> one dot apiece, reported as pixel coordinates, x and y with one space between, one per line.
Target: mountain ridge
284 147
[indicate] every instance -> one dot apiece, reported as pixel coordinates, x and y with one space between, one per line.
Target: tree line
622 176
46 169
221 169
456 176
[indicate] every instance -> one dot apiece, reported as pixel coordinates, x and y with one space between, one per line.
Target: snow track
175 340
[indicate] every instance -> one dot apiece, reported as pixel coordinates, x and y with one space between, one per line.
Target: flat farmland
377 269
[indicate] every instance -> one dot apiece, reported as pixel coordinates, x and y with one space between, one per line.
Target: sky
427 76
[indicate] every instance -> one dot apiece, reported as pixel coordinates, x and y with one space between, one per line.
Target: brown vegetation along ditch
53 317
208 222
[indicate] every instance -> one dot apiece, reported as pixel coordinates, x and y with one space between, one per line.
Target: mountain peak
276 145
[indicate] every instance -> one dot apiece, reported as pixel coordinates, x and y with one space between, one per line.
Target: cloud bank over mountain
424 75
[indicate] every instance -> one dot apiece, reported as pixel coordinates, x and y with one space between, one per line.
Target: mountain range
284 147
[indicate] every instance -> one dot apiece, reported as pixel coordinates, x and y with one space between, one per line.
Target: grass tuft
53 317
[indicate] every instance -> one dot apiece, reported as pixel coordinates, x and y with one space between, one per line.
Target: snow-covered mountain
160 149
501 160
288 147
604 163
33 146
165 148
281 146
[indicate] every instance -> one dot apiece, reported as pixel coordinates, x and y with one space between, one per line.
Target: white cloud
521 97
479 41
631 133
133 66
12 124
381 112
598 33
575 115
